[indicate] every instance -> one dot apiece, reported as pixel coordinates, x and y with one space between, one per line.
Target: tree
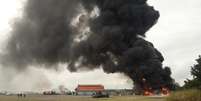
196 70
196 73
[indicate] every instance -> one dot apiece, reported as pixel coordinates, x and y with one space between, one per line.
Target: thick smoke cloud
115 39
43 34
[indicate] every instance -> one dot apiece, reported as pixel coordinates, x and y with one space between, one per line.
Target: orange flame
165 91
148 93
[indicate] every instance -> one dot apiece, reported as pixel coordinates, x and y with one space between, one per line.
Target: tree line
195 82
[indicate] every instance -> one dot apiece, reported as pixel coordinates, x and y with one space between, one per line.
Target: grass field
76 98
185 95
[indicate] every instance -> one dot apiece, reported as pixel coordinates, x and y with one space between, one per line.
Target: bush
185 95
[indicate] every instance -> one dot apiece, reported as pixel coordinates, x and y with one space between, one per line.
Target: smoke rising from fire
110 35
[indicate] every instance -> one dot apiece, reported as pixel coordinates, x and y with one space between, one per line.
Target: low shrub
185 95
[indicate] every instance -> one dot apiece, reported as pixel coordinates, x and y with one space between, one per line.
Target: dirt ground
79 98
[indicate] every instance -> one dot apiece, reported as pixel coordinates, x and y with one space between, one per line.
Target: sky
177 35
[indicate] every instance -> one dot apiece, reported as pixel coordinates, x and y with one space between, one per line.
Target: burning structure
108 34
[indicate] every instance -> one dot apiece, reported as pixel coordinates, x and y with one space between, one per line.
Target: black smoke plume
114 40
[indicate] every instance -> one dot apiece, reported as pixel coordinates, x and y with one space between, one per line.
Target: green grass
186 95
76 98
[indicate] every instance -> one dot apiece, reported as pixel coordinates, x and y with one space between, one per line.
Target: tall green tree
196 73
196 69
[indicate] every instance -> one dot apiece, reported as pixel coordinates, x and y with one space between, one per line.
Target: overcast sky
177 35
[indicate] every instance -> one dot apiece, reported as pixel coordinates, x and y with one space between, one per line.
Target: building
88 90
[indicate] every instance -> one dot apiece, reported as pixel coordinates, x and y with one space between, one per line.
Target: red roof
90 88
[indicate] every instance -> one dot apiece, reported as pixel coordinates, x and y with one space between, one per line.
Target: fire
148 93
165 91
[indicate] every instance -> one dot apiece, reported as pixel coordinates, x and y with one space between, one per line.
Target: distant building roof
89 88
